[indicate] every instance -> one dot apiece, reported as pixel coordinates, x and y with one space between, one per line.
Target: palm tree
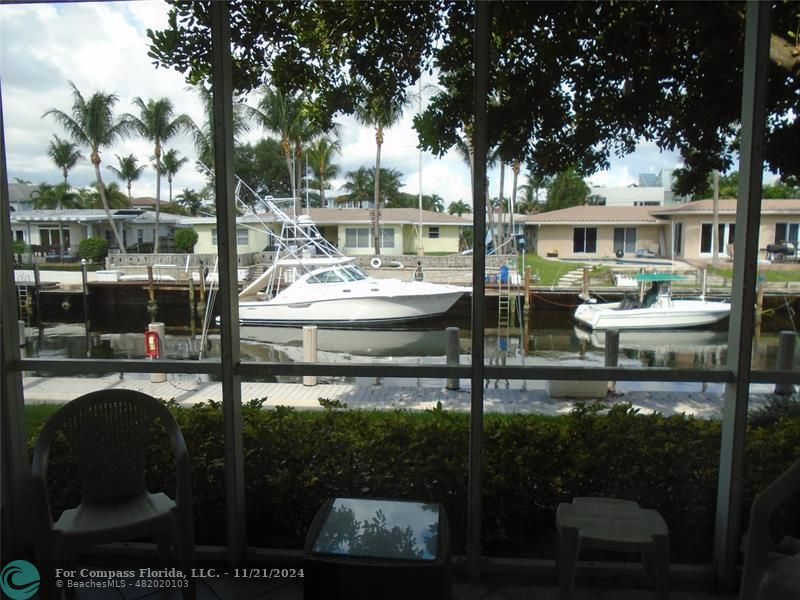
156 123
90 198
204 135
128 170
65 155
47 196
283 115
190 200
172 164
381 113
359 186
92 123
459 208
319 156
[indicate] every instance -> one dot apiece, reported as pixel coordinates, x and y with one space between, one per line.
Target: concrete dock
190 390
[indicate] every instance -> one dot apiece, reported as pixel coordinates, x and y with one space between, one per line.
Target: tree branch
784 54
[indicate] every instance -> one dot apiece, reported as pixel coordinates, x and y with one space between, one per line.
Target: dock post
152 307
85 284
612 354
453 349
585 284
192 318
310 351
786 343
759 305
160 329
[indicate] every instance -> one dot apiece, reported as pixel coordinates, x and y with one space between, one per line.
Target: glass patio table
377 548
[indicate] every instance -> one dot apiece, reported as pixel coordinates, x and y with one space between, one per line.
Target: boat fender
397 264
375 263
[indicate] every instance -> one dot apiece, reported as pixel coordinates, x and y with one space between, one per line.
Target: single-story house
349 229
42 229
681 230
598 231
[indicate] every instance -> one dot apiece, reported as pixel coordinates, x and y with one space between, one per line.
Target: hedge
294 460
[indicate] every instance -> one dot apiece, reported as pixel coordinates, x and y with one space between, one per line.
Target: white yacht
311 281
344 294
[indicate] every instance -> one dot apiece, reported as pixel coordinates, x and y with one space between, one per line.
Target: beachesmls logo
19 580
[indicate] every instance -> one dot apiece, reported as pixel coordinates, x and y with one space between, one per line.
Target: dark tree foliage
334 52
263 168
572 83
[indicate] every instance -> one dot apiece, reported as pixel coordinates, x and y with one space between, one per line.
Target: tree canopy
572 84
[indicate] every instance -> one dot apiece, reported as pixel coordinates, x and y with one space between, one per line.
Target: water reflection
381 529
557 346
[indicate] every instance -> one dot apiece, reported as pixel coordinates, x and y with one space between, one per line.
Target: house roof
360 216
67 215
640 215
146 201
726 206
410 216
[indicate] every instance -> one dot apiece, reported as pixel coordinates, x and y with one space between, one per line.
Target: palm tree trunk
512 205
102 189
500 231
377 221
158 199
287 153
61 226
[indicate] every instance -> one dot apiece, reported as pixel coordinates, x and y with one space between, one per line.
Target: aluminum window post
742 319
222 91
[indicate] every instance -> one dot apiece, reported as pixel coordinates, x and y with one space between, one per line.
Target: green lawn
770 275
550 271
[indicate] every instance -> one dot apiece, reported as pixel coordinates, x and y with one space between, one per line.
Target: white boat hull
332 308
674 315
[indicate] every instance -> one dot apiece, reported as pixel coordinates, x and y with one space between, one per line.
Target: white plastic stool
611 524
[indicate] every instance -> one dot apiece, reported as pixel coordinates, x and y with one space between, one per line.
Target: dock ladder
24 301
503 305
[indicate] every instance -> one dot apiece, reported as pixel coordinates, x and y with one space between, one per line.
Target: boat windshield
338 275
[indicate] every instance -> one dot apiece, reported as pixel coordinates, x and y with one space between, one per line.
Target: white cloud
103 46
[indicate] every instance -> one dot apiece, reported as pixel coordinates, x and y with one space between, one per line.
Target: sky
103 47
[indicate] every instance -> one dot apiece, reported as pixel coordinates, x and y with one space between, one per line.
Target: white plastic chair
108 432
768 576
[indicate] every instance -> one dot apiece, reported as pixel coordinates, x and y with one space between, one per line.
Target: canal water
552 340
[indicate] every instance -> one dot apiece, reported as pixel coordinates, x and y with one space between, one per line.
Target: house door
625 240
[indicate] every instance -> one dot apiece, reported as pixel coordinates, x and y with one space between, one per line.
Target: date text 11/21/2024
249 573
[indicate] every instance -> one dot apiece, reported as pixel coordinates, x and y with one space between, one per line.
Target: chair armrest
38 480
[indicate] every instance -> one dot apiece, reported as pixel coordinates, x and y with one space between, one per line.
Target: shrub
295 460
185 239
93 249
19 247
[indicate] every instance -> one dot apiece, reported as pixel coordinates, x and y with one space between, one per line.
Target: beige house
598 232
682 230
691 225
349 229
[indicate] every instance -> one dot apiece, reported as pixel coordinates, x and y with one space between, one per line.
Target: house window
677 239
625 240
242 237
725 233
387 238
357 237
19 235
433 233
140 235
48 237
787 232
584 240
